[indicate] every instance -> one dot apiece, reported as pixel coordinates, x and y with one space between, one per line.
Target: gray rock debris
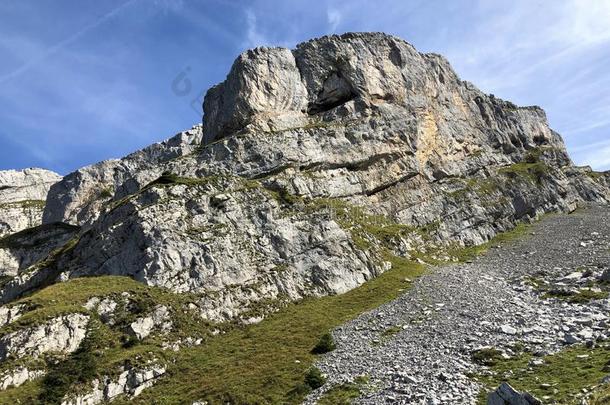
454 311
507 395
62 334
22 197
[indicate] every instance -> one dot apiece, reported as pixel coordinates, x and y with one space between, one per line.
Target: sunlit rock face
301 156
22 198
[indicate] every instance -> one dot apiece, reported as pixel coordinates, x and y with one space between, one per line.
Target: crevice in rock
384 187
336 91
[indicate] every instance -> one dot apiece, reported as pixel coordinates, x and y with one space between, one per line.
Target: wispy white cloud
253 38
334 17
61 44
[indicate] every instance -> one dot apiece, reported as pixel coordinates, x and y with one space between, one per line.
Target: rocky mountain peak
275 88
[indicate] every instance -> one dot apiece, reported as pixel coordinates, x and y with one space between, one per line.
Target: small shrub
79 367
314 378
533 156
325 344
487 356
106 193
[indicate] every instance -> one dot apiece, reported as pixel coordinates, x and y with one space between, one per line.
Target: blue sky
82 81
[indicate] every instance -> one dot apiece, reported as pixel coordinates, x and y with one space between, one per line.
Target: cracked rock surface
457 309
22 198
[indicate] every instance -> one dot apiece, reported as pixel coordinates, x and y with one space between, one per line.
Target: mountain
314 171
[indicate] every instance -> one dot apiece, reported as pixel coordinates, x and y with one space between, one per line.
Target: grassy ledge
267 362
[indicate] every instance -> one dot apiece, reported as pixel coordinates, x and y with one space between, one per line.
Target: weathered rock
81 195
507 395
62 334
130 382
18 376
160 319
22 198
104 307
11 313
20 250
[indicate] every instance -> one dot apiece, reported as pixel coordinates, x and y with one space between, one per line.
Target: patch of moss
24 238
487 356
534 172
559 379
106 193
168 178
314 378
365 228
581 297
344 394
391 331
38 204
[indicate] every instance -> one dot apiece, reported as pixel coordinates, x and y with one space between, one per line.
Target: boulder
507 395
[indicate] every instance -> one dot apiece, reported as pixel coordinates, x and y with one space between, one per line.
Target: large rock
130 382
62 334
22 198
507 395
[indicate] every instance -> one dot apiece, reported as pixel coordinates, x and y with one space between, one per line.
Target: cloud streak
63 43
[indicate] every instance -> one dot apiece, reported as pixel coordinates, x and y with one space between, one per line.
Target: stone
509 330
577 275
18 376
507 395
131 382
159 318
570 339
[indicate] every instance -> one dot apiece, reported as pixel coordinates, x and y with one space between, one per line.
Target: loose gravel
417 349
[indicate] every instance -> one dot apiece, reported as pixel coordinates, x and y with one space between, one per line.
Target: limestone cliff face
78 198
22 198
302 157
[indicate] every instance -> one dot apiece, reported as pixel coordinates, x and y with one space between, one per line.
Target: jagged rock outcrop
130 382
160 318
21 250
22 198
80 196
303 152
18 376
61 334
